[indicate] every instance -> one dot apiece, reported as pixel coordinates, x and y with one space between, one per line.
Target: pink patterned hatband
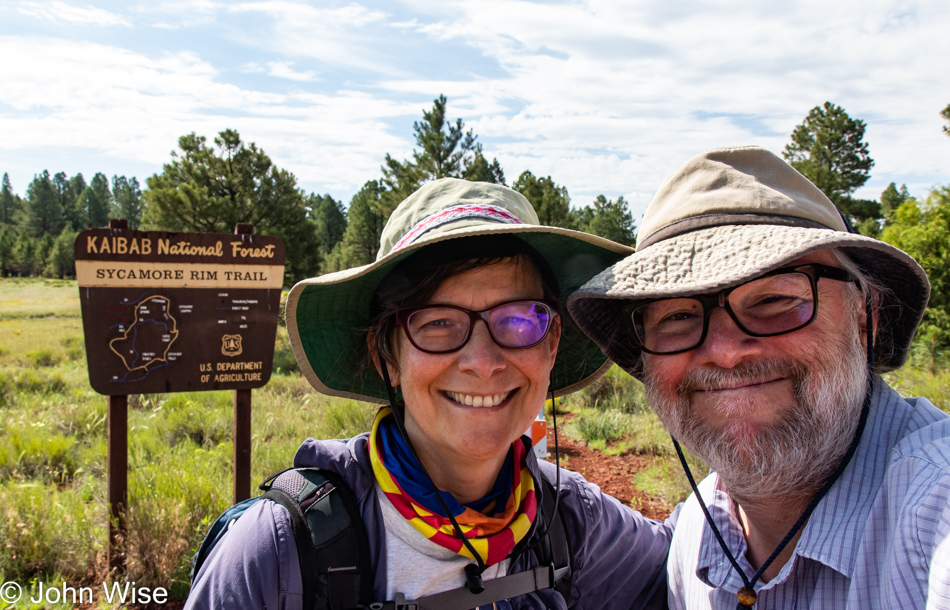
484 211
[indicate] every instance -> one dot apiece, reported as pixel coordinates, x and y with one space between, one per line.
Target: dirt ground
613 474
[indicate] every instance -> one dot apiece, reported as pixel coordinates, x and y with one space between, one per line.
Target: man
747 312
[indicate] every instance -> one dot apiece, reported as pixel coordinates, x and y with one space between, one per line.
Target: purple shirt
618 556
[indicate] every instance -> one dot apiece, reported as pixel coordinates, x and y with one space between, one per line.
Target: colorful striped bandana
493 533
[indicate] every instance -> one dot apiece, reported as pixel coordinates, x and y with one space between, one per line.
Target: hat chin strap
747 595
473 572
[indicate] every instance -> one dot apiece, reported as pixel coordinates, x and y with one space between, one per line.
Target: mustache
744 373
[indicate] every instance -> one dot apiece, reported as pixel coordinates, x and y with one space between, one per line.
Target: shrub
40 383
7 388
615 391
75 347
43 357
46 531
34 451
605 425
284 360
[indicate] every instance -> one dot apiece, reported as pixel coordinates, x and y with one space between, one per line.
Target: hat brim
328 316
712 259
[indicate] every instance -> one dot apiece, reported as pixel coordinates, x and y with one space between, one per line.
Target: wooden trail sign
176 312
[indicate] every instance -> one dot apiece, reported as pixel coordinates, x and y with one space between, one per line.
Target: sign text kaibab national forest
177 312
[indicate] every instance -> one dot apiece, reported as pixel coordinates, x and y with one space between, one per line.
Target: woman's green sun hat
328 316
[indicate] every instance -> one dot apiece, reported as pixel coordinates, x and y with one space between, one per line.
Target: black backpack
334 551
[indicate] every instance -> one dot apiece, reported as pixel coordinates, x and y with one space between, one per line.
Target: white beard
792 456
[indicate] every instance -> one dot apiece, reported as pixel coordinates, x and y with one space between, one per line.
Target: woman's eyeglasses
778 302
440 329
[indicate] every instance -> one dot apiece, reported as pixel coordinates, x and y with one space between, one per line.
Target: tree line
211 186
37 231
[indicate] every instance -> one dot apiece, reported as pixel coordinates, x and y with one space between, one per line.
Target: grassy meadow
53 447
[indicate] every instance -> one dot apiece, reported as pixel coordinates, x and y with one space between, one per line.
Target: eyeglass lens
511 325
769 305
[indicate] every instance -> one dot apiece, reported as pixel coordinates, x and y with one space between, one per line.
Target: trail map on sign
145 344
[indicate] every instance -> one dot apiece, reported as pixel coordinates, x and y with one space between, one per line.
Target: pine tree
550 201
61 260
61 186
480 170
43 248
45 210
892 198
329 218
10 206
945 113
212 188
364 227
70 192
24 255
828 148
127 196
609 219
7 251
445 150
96 200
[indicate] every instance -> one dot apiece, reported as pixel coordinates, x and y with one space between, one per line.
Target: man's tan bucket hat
728 216
328 316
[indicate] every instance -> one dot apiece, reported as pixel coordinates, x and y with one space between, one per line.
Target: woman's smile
479 400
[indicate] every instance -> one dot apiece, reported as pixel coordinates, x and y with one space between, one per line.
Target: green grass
53 450
917 382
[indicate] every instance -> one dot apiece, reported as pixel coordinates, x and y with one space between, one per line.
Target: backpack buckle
401 603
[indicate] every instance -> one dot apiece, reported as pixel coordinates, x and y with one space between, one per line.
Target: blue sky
605 97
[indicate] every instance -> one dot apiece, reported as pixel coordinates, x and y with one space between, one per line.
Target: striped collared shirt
880 538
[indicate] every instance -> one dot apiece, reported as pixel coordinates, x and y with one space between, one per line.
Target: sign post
117 422
176 312
242 424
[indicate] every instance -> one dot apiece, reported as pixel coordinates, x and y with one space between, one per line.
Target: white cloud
132 106
177 14
611 95
284 69
60 11
330 35
604 96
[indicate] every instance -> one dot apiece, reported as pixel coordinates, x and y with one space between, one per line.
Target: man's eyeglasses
439 329
778 302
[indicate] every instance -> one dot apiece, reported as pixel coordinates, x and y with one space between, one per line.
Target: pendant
747 598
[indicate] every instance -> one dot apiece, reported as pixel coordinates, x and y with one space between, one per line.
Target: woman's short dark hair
416 279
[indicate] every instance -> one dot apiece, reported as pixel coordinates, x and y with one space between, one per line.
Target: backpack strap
330 536
217 530
554 549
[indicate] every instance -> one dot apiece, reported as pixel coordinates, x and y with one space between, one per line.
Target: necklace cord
843 463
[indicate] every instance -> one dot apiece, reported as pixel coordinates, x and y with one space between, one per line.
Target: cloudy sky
603 96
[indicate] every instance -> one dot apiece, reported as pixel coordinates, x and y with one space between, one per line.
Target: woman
458 328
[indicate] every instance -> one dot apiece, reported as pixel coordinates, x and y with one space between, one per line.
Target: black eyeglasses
778 302
440 329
